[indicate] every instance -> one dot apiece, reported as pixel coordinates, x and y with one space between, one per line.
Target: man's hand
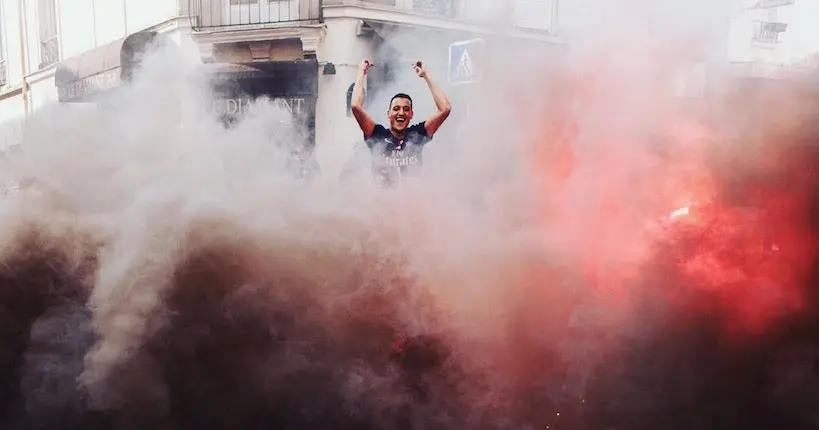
441 101
365 67
365 121
420 69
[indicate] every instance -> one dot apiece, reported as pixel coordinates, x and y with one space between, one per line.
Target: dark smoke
242 337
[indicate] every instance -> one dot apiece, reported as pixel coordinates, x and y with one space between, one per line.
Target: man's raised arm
441 100
365 121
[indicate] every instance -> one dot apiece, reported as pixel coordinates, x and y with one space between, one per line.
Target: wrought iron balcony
49 52
529 14
215 14
440 8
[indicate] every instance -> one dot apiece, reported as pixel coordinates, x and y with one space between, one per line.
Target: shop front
291 85
101 70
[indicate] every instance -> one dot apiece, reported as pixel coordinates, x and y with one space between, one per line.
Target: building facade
773 48
303 54
774 31
37 36
331 37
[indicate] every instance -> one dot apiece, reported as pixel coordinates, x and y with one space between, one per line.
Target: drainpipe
23 54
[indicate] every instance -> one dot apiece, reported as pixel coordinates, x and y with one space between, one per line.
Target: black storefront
289 85
292 85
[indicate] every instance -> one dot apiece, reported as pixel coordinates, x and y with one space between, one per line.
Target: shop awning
101 69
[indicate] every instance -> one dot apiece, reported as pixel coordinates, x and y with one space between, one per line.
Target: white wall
11 41
86 24
336 133
802 38
142 14
42 92
11 102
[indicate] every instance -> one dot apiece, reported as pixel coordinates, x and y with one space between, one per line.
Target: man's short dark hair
401 96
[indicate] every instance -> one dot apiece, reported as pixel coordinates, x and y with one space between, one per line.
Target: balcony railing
49 51
529 14
439 8
215 14
3 73
768 32
447 8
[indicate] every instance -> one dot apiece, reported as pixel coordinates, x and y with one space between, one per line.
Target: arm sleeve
421 129
378 133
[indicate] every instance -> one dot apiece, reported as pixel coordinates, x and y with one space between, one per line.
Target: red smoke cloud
636 181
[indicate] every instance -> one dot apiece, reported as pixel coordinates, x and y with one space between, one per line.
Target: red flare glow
755 259
752 257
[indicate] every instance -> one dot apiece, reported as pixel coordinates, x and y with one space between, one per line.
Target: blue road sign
466 61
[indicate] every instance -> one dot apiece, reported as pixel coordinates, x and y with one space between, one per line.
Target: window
433 7
47 22
768 29
768 32
3 71
243 2
536 14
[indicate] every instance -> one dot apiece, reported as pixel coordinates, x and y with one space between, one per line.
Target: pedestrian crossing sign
465 61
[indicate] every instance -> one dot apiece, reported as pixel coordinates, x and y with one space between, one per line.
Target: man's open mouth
400 119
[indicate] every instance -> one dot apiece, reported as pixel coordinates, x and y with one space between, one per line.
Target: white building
775 31
302 52
38 34
775 39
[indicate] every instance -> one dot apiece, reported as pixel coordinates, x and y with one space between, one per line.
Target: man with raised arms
396 151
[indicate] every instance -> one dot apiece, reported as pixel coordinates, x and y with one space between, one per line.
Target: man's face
400 113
